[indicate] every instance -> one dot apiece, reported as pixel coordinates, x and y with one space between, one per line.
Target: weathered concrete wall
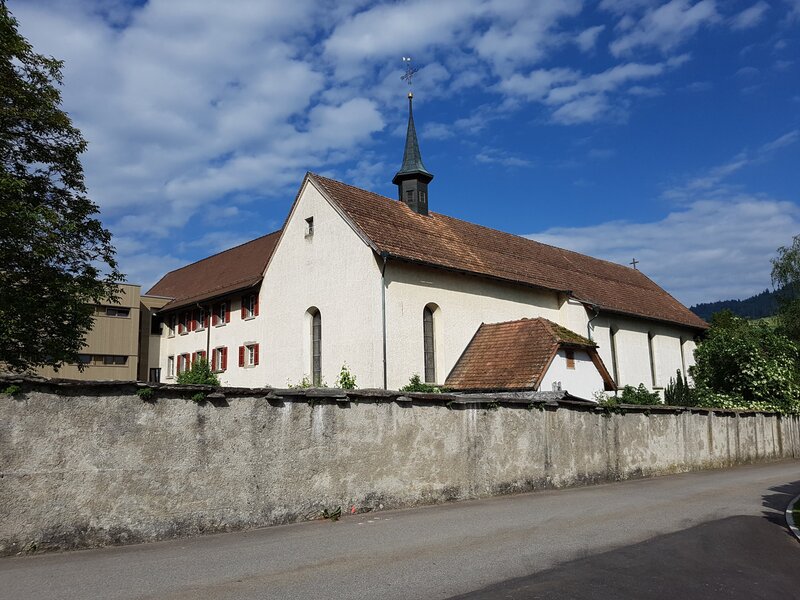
85 466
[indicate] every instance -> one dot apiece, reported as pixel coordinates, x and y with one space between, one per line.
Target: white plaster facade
582 380
333 269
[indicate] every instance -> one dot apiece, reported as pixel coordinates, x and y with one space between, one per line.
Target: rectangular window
249 306
112 359
183 363
249 355
154 375
184 324
156 324
201 319
85 359
173 325
309 226
570 354
221 315
170 366
113 311
219 359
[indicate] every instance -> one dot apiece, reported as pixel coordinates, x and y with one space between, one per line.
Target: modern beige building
112 350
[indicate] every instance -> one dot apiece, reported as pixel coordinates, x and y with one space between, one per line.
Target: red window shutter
194 357
244 311
241 356
224 358
228 311
205 318
214 311
180 323
255 355
192 321
255 306
213 359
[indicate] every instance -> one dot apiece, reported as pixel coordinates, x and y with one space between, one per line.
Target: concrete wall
84 466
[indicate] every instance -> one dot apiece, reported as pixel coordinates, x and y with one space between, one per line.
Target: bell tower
413 178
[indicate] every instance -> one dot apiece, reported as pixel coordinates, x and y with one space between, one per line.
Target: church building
392 289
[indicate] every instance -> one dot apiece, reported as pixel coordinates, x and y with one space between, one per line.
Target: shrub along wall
88 464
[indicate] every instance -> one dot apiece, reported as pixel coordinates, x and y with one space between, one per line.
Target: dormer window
309 226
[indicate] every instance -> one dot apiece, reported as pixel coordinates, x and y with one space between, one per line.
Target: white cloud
587 38
578 98
711 182
666 26
501 157
711 250
750 17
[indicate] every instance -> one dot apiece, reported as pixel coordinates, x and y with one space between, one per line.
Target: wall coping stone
343 397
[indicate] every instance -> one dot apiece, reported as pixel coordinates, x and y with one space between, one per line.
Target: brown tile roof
443 241
227 272
515 355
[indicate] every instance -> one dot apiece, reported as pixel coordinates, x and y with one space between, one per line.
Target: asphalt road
715 534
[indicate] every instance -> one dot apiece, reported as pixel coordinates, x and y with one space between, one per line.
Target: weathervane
409 74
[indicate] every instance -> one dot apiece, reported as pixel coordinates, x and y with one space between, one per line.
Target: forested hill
761 305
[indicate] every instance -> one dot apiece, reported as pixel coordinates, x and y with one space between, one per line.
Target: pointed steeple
413 178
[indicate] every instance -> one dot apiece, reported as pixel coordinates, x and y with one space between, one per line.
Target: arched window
614 357
316 347
429 344
652 351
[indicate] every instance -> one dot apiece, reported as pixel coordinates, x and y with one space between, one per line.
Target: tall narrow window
614 358
316 347
651 351
428 345
683 358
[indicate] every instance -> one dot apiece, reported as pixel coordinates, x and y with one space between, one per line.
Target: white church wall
633 349
582 381
464 303
334 271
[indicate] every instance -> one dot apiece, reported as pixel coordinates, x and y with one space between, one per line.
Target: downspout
385 257
589 323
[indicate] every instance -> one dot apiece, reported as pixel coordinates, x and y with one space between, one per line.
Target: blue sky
668 131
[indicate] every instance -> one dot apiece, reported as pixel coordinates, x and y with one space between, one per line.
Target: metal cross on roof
409 70
634 262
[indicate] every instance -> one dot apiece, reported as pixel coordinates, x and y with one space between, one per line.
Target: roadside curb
794 527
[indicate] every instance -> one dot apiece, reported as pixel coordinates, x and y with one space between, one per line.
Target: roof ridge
191 264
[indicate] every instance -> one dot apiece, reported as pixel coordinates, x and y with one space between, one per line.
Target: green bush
199 374
199 397
416 385
678 392
346 380
145 393
12 390
747 365
638 395
305 382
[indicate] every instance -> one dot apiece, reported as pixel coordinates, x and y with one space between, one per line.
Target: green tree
786 279
638 395
56 259
199 374
746 364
